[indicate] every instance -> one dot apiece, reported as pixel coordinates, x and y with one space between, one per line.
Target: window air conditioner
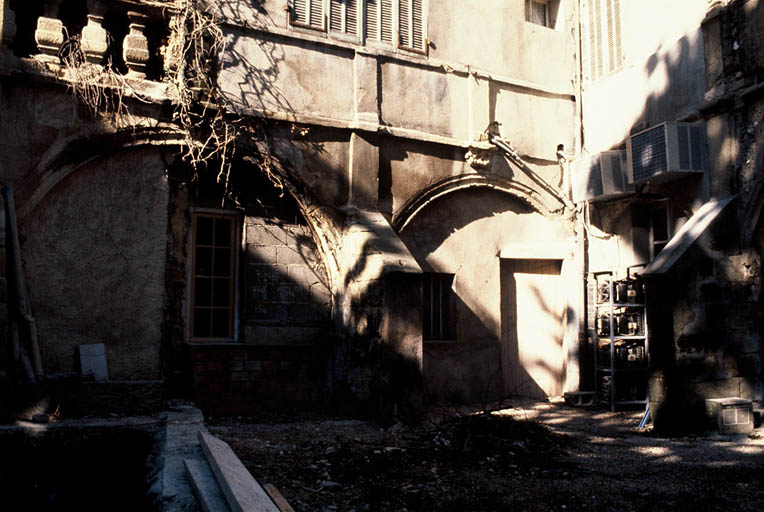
666 151
601 176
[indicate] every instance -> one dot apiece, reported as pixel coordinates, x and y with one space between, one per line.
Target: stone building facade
401 255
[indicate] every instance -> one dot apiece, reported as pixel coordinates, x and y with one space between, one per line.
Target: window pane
223 232
203 262
201 323
222 262
203 231
220 323
221 293
202 291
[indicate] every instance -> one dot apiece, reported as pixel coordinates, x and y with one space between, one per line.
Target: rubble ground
531 456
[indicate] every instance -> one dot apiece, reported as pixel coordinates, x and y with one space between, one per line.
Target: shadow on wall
704 317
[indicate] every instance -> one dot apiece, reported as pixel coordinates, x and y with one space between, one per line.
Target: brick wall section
286 284
245 379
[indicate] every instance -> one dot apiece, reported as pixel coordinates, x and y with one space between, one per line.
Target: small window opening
660 231
537 12
439 307
27 12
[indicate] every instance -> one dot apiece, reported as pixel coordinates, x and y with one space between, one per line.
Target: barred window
439 307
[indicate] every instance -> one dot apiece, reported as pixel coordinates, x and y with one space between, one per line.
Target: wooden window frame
235 247
661 205
529 13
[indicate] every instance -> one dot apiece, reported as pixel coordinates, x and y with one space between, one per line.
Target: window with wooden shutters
603 37
411 25
343 16
307 13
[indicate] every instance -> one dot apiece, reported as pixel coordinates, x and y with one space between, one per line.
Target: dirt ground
532 456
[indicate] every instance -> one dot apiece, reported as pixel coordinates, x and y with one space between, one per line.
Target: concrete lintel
538 251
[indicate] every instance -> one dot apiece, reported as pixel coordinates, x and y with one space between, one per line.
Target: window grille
439 307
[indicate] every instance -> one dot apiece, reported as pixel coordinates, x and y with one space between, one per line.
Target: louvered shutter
316 13
417 25
343 16
371 17
604 38
404 23
308 12
411 24
386 21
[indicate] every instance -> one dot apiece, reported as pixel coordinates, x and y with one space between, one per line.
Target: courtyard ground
530 456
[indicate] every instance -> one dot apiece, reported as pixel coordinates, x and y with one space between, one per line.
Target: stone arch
524 193
72 153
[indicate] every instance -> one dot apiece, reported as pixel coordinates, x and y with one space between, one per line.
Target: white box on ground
93 361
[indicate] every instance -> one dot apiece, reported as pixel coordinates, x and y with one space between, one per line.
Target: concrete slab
241 490
205 486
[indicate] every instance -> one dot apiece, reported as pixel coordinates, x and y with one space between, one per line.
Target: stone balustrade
126 36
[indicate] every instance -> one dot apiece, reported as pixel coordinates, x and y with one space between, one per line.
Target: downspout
583 328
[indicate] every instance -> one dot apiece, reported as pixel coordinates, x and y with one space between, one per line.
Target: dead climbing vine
211 130
100 90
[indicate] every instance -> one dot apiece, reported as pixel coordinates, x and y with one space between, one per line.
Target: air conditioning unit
601 176
666 151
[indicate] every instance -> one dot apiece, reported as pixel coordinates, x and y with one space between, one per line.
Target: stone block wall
287 298
244 379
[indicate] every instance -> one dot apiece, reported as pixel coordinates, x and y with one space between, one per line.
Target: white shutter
604 37
316 13
343 16
308 12
404 23
300 11
411 24
386 21
371 19
417 25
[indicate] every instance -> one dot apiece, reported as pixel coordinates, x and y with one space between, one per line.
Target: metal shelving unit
621 351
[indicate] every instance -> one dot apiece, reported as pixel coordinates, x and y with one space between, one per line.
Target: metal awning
686 236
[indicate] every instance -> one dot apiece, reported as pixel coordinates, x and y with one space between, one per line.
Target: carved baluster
7 24
49 35
94 42
135 48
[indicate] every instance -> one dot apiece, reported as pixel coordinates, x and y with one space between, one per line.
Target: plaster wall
463 233
472 34
449 96
662 77
95 255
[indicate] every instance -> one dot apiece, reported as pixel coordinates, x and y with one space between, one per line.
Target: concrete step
241 490
205 486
